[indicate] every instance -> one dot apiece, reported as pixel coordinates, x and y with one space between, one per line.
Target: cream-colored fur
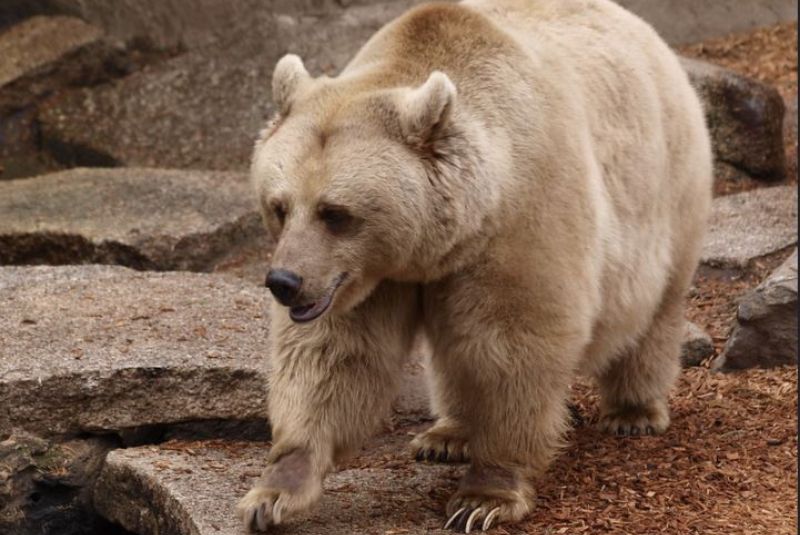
528 180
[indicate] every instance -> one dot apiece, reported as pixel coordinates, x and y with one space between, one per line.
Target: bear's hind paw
440 443
634 420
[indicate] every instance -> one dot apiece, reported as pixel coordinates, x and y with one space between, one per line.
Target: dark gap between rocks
49 491
51 248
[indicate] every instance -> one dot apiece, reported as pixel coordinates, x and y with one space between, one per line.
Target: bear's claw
466 518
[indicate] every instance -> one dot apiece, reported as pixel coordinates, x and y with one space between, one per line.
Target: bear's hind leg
634 388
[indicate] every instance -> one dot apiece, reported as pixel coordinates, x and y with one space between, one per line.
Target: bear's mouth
313 310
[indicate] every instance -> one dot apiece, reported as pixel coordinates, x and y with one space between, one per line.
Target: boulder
204 109
745 118
697 345
748 225
98 349
765 334
142 218
192 489
33 61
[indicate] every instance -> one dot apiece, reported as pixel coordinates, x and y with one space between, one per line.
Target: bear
527 182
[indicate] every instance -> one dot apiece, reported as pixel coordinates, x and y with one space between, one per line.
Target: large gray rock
33 59
204 109
142 218
192 489
101 348
748 225
765 334
745 118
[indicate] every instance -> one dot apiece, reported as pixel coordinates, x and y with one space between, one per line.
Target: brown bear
526 180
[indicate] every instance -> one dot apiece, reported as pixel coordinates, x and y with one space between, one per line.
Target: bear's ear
427 108
289 75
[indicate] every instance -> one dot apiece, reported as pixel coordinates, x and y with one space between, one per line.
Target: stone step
100 348
192 489
748 225
142 218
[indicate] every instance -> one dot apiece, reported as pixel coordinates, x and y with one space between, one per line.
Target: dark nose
284 285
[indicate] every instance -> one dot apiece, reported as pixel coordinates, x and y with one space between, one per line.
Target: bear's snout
284 285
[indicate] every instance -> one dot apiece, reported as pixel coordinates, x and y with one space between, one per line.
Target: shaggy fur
528 181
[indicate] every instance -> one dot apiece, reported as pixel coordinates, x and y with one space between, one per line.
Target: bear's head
358 182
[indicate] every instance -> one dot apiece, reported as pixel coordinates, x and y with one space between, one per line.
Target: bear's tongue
304 313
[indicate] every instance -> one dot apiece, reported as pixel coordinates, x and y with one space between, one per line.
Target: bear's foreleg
504 351
331 385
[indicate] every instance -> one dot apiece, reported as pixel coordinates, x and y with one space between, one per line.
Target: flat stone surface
142 218
204 109
192 488
697 345
31 45
765 334
748 225
745 118
94 348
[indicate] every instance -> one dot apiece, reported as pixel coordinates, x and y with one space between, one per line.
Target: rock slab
193 488
745 118
748 225
765 334
99 349
142 218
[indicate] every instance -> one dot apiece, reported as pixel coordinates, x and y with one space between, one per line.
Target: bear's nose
284 285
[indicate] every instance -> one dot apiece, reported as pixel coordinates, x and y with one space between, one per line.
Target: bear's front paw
487 497
632 420
287 488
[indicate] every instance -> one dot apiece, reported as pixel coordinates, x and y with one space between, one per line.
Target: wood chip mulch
727 465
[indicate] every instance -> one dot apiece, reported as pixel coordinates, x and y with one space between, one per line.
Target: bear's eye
279 209
336 218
